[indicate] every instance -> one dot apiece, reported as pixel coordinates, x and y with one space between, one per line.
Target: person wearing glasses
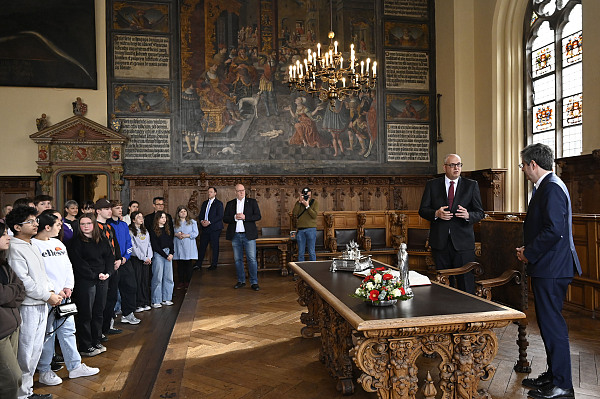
241 215
28 264
549 252
452 204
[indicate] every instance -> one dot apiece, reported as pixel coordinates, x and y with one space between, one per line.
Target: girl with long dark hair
141 258
161 238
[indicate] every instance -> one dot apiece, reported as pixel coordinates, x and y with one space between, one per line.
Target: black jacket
252 214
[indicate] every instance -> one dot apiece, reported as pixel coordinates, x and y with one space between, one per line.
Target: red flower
387 276
379 268
374 295
368 278
402 291
373 272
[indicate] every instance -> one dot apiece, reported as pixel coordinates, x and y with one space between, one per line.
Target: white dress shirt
239 224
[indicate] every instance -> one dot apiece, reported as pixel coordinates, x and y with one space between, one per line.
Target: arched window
554 53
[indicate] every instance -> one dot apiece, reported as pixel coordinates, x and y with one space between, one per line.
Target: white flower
377 278
370 286
358 291
397 292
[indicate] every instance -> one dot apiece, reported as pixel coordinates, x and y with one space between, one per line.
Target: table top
434 304
273 240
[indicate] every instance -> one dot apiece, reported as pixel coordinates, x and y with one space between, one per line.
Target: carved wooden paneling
581 174
12 188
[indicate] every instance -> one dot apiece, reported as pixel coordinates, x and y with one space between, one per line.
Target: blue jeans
162 278
66 338
239 244
306 237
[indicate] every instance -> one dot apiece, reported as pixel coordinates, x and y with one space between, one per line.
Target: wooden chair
499 275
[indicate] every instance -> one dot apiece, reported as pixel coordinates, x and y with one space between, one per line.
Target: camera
305 192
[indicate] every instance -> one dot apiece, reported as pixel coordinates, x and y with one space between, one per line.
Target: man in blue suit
211 222
453 205
551 259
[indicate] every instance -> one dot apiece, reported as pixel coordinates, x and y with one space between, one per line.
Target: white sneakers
147 307
130 319
139 309
82 371
156 305
50 378
167 303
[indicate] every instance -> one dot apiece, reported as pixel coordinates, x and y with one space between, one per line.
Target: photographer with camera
305 211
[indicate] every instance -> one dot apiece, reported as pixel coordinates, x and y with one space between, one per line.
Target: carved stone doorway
82 186
80 159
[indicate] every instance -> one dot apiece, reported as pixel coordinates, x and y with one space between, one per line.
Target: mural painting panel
400 34
142 99
235 103
140 17
407 107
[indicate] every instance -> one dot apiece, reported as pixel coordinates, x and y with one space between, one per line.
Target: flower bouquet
381 288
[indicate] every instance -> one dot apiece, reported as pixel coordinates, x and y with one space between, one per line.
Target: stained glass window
555 48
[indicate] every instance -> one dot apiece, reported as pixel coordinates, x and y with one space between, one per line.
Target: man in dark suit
211 222
241 214
453 205
551 259
158 203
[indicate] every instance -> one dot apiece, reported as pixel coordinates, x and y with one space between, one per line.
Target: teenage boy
42 202
103 209
28 264
127 281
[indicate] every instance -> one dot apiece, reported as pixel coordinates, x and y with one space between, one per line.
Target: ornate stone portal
79 145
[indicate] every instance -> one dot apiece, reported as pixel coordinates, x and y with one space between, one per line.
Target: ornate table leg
307 297
284 269
336 342
522 366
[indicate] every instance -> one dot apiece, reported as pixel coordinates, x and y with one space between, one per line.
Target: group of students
104 262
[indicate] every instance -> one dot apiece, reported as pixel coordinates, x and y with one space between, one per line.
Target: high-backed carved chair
500 276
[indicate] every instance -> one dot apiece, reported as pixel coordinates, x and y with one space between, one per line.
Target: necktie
207 209
533 192
450 194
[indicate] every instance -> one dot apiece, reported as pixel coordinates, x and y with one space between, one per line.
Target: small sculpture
403 268
79 107
41 122
115 124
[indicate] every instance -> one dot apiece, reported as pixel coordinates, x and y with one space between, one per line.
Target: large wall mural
217 99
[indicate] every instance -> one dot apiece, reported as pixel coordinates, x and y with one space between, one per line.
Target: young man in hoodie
103 210
28 265
127 281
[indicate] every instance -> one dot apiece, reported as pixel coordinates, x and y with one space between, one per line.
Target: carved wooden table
279 243
385 342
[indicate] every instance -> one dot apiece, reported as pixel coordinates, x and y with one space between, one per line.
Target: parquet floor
243 344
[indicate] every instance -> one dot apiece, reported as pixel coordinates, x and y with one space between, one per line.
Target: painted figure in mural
242 74
140 21
372 122
409 110
192 116
357 129
335 121
79 107
140 105
216 94
267 83
221 58
41 122
306 133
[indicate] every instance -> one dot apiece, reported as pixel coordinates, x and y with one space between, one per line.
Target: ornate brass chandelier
328 75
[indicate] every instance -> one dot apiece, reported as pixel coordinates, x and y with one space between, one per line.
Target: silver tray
351 265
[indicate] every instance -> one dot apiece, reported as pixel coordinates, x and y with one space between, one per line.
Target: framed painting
407 107
48 43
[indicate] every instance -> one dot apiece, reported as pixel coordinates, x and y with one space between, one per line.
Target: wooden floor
243 344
